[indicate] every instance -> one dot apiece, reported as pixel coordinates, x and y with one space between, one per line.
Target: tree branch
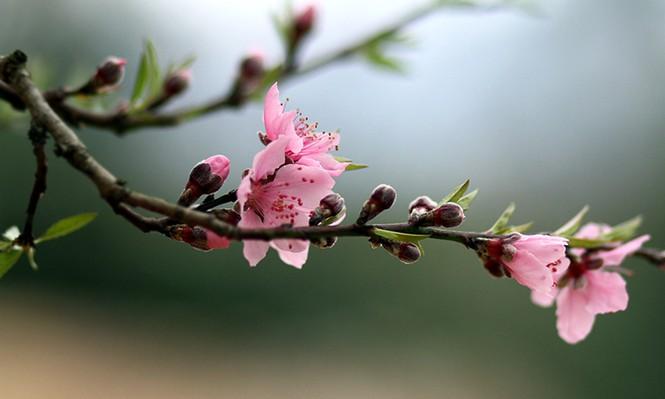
38 139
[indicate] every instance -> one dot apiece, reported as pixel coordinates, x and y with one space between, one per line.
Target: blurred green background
553 110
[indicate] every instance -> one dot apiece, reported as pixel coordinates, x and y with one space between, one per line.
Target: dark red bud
177 82
228 216
404 251
330 206
382 198
423 202
304 21
109 73
448 215
252 68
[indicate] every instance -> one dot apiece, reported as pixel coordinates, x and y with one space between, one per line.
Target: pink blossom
532 260
274 193
589 288
306 145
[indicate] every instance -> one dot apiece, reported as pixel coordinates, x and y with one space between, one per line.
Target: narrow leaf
574 242
573 224
624 231
467 199
502 221
521 228
356 166
8 259
456 194
66 226
401 237
154 72
141 79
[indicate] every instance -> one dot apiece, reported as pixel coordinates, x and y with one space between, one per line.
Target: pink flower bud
198 237
419 206
449 214
382 198
206 177
330 206
252 67
404 251
109 74
304 21
177 82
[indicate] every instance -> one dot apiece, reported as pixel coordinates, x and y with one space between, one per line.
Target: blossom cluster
290 184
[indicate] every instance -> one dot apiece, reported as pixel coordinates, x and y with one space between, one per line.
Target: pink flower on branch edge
306 146
589 288
532 260
274 193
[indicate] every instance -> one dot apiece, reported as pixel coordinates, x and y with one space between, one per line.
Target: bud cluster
382 198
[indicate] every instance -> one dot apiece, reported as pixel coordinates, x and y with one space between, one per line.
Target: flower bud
252 68
324 242
177 82
206 177
382 198
109 75
228 216
304 21
449 214
330 206
198 237
420 206
404 251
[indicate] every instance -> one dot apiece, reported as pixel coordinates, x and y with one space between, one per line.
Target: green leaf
66 226
351 165
457 193
4 245
568 229
184 64
379 59
401 237
502 221
467 199
520 228
154 72
624 231
141 79
574 242
9 259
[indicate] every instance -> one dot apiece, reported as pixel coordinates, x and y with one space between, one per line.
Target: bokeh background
553 109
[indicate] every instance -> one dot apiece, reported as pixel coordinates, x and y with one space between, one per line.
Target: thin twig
38 138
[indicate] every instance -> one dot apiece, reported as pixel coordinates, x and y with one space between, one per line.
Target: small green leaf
502 221
355 166
521 228
9 259
66 226
141 79
457 193
184 64
574 242
624 231
467 199
376 56
568 229
154 72
400 237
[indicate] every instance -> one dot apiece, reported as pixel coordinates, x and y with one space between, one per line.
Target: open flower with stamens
534 261
307 146
590 286
275 193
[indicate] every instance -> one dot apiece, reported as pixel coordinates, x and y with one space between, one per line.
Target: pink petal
574 321
276 121
592 230
253 250
605 292
548 249
216 241
270 158
544 299
527 270
616 256
295 259
326 162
